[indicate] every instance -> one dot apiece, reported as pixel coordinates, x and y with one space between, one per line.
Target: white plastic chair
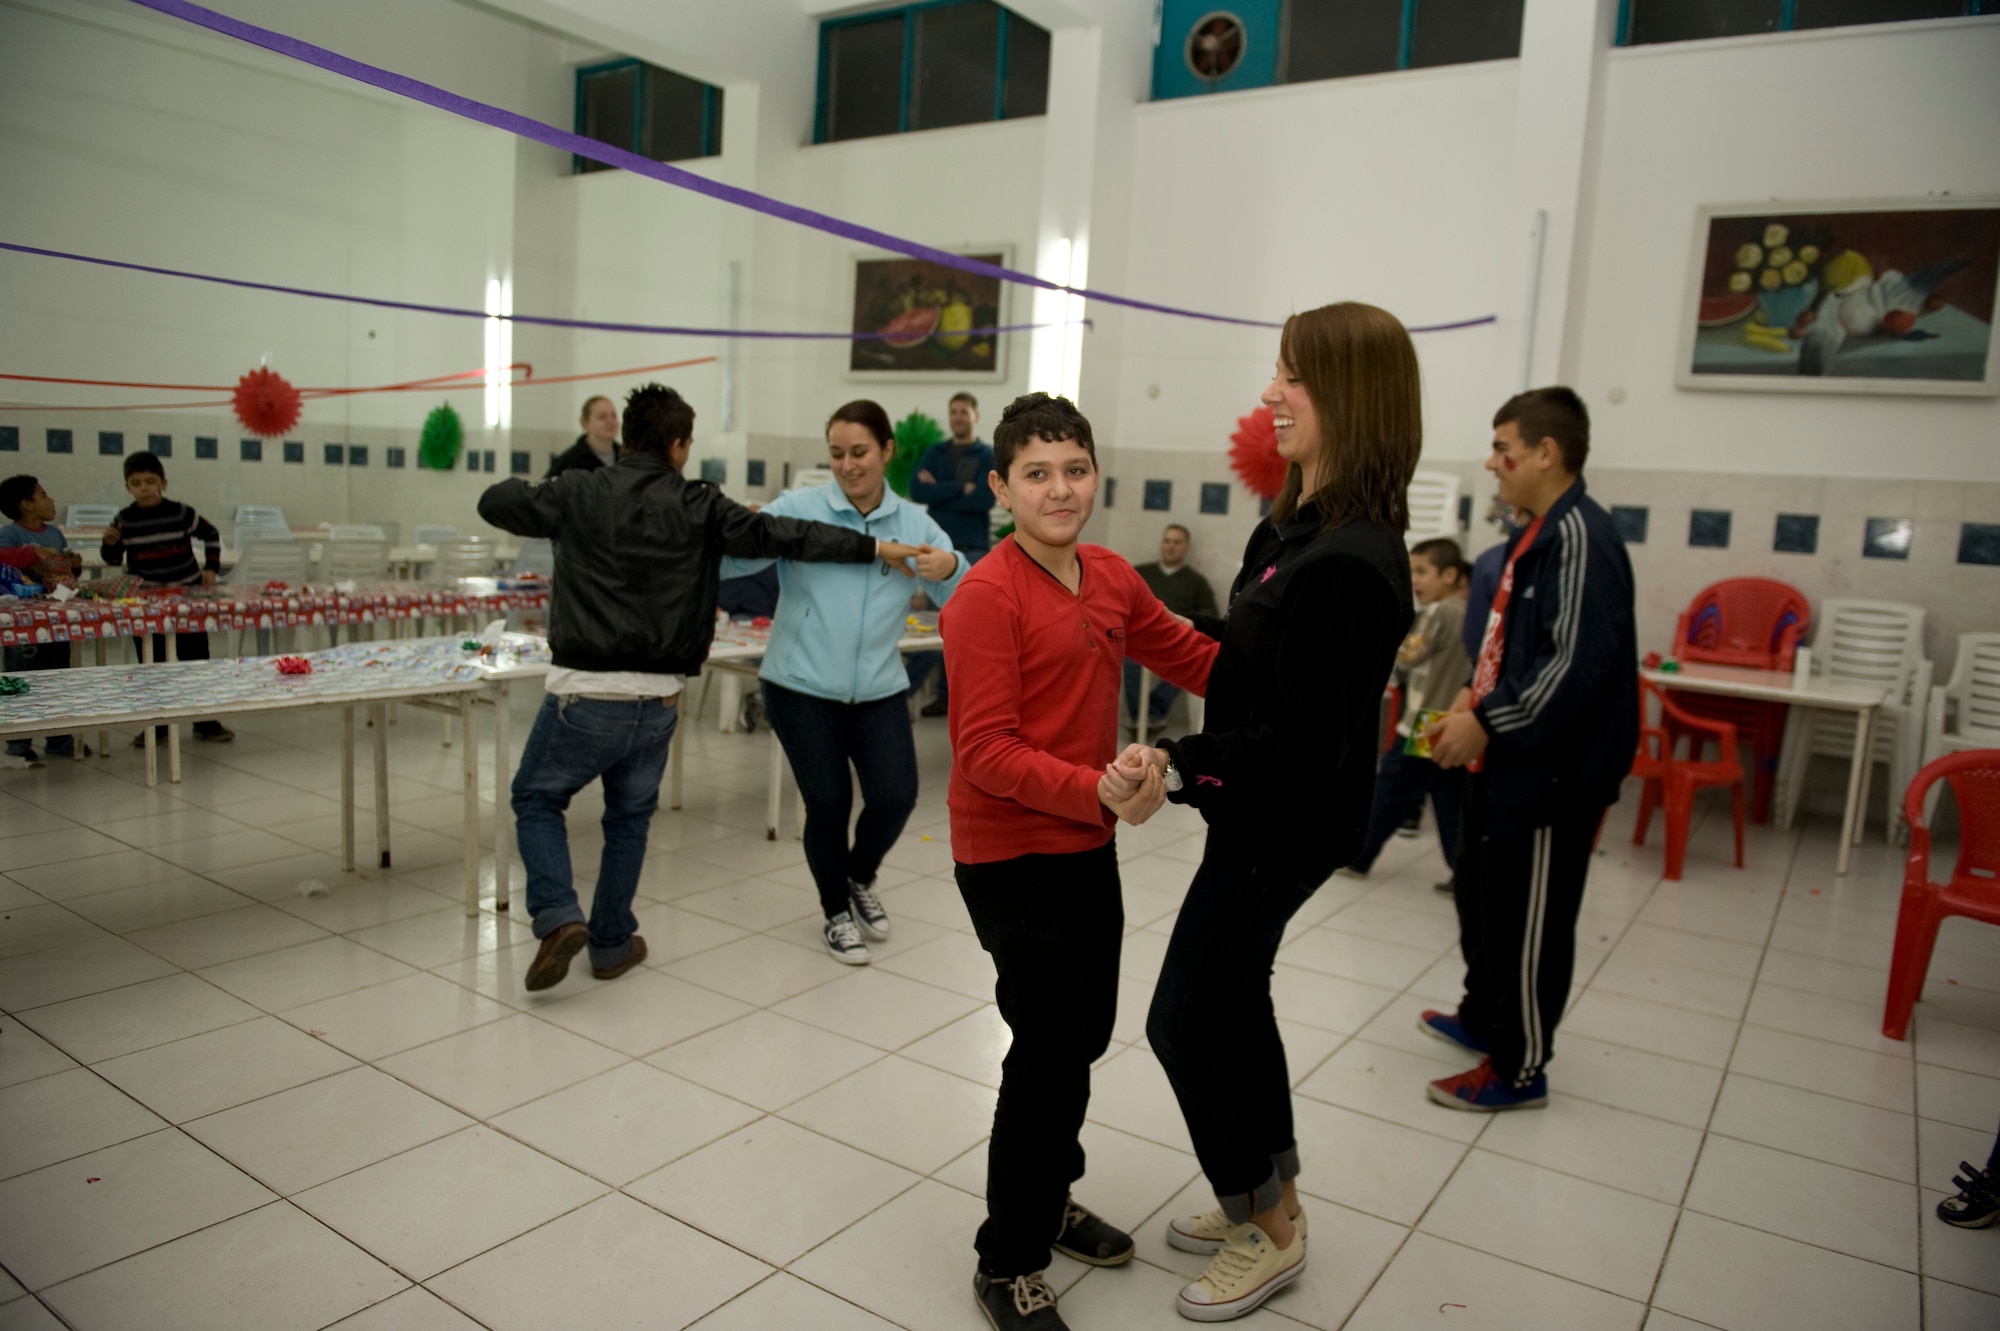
807 477
430 533
265 561
354 560
462 557
356 531
1433 506
91 515
262 514
537 555
1864 642
253 532
1964 711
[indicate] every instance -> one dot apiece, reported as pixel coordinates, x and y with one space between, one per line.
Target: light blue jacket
837 625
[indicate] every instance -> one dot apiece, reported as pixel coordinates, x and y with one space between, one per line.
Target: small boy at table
153 537
1035 642
32 517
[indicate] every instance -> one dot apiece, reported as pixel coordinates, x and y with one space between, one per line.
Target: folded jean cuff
1286 1162
547 922
1239 1207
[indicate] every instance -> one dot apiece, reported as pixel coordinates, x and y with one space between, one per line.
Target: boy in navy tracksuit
1548 727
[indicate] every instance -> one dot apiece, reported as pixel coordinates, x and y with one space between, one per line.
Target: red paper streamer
266 404
1253 454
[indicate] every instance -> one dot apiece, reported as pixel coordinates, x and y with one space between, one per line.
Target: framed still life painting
928 321
1856 297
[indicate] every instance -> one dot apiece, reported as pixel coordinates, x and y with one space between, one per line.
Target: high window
1226 45
1644 22
926 66
644 109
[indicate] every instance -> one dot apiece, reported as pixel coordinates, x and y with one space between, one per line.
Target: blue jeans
1212 1024
574 742
1401 783
822 738
1157 702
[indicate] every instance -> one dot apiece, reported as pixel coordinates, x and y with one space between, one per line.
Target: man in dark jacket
638 553
1548 728
951 481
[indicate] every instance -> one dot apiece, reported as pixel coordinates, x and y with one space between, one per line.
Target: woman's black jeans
1213 1027
822 738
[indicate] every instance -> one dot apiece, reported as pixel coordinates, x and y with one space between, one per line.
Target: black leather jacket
578 455
638 549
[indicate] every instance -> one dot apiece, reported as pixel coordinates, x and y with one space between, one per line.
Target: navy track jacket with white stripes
1563 721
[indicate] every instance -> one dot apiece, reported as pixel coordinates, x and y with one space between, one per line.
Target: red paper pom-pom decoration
266 404
294 665
1253 454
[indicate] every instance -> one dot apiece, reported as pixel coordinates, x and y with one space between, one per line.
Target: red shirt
1036 674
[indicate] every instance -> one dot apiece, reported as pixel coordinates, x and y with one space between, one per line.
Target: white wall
1903 112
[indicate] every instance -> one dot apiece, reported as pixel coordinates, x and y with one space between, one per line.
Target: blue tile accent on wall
1159 495
1631 522
10 438
207 446
61 441
714 470
1979 543
1465 511
1708 528
253 450
487 459
336 455
1214 497
1797 534
111 443
471 459
393 456
1888 538
357 455
1110 490
519 463
160 445
295 451
753 472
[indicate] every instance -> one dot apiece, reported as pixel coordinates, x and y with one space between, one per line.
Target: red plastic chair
1974 889
1671 782
1756 623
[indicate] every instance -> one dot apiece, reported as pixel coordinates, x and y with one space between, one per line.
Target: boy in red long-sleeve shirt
1035 644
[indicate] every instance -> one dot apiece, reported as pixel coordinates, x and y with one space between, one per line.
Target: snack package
1418 745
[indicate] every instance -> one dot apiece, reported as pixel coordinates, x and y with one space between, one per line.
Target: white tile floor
224 1104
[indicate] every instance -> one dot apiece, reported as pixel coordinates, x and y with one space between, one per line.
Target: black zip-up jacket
1563 721
1287 754
579 456
638 553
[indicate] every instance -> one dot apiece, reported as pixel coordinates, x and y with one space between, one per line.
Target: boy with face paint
1035 639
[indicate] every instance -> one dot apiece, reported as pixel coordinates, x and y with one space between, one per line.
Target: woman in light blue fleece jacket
834 684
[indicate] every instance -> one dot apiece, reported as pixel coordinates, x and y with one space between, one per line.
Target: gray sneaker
843 941
868 912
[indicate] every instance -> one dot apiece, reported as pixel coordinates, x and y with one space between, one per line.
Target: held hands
898 556
1134 802
935 565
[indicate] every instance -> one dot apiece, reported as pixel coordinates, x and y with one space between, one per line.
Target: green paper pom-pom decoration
913 434
442 440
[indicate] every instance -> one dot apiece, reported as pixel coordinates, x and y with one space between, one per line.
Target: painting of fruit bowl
926 320
1878 297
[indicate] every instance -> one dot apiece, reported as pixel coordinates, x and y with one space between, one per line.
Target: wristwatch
1172 776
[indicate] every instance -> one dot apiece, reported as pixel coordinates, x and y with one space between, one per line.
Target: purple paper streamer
545 320
523 126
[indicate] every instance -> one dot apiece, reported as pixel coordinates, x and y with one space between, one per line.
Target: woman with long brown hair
1283 772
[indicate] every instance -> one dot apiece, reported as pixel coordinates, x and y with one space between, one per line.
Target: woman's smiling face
1296 421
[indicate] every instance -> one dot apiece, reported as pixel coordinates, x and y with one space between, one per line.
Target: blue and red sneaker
1482 1091
1447 1026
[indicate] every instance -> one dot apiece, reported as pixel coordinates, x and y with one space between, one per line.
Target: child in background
1435 654
1035 641
32 517
154 537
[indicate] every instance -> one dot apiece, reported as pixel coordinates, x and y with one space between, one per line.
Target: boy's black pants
1054 925
1518 893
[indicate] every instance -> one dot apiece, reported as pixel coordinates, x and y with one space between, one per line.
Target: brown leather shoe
551 962
632 958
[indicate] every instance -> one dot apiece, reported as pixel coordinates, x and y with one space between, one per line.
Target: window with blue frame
1645 22
927 66
644 109
1229 45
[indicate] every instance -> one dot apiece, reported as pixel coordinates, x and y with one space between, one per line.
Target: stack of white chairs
430 533
273 560
1964 711
354 559
357 531
91 515
1880 643
807 477
1433 506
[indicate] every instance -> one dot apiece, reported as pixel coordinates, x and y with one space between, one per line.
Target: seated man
1185 592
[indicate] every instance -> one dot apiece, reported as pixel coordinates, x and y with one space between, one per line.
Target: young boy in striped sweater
154 537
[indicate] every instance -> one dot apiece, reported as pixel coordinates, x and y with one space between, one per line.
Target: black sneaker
868 912
1090 1239
159 737
213 731
1978 1202
1025 1303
